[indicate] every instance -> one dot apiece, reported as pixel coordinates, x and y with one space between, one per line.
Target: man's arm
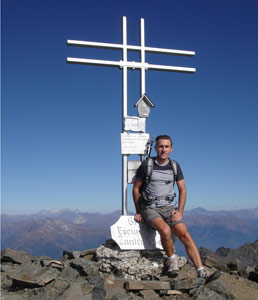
136 198
178 215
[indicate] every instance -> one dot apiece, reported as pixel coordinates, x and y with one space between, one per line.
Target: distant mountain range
247 254
51 232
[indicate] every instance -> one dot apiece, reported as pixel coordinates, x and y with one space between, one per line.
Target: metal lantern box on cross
143 105
132 143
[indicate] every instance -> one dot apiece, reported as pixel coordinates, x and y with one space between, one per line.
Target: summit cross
125 64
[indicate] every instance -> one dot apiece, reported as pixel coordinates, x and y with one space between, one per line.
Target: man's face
163 148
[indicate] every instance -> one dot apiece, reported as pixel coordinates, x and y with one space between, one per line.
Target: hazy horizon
53 211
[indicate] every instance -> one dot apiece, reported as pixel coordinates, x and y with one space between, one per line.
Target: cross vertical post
124 156
142 58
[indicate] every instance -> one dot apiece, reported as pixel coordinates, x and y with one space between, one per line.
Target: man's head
163 148
163 137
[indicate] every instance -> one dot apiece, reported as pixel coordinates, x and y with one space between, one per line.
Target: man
154 205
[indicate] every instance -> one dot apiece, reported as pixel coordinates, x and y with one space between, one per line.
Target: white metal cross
125 64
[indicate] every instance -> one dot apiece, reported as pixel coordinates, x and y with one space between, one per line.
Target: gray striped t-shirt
162 180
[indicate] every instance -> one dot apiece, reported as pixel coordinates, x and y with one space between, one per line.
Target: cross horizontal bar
129 64
87 61
129 47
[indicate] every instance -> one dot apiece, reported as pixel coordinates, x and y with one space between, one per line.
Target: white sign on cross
125 64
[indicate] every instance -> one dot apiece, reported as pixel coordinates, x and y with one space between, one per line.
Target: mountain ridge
50 232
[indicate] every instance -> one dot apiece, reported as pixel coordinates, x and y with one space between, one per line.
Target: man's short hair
163 137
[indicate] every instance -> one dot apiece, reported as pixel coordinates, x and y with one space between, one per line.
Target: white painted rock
130 235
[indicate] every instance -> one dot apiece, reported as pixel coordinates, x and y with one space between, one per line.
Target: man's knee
165 233
186 236
163 228
182 232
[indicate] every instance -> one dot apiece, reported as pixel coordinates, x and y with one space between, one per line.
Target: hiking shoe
208 276
172 267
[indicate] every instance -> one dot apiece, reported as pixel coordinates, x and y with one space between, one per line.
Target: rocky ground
240 287
111 274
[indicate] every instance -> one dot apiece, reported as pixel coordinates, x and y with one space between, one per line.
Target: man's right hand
139 218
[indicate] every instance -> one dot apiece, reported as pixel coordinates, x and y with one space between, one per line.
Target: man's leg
166 240
165 235
154 219
181 231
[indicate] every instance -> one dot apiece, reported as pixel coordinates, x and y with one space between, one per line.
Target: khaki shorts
164 212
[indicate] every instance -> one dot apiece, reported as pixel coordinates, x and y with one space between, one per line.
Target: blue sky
61 123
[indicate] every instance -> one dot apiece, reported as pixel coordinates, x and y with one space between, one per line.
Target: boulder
30 275
187 284
84 266
99 292
253 275
215 290
209 262
147 285
76 291
6 282
234 264
223 268
149 294
69 273
88 253
17 257
115 288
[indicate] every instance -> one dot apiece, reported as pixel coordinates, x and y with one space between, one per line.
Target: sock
172 257
199 269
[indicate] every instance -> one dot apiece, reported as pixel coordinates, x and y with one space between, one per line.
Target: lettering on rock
129 234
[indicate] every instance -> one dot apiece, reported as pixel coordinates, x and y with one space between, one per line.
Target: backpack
149 168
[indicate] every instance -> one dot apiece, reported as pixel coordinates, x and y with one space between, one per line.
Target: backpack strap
149 168
174 168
